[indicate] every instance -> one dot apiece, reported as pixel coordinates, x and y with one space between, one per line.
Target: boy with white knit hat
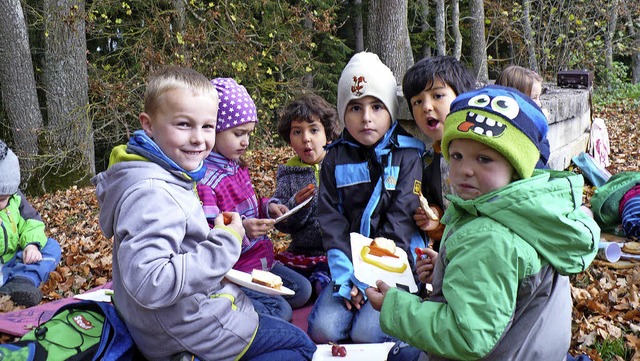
369 184
512 235
27 255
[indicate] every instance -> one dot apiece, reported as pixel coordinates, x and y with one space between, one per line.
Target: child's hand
305 193
376 295
276 210
423 221
257 227
357 299
231 220
424 265
31 254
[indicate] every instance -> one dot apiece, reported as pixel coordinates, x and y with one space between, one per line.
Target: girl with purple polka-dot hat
226 187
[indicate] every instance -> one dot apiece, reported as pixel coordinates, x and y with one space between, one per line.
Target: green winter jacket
499 287
20 226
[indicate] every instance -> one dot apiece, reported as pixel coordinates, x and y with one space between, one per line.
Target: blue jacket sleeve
341 272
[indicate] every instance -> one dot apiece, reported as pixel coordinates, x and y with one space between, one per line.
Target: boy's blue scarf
144 146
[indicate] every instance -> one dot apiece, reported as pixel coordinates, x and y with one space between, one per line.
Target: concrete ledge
561 157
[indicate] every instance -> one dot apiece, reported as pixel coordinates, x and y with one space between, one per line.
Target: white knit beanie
9 171
365 75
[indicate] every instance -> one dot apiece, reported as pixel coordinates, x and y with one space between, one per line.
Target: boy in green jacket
27 255
512 235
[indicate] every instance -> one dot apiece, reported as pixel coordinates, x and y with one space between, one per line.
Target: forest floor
606 298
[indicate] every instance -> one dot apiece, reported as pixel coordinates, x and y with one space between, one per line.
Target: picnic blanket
18 323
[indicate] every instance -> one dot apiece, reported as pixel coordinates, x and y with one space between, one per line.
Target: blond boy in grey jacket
168 267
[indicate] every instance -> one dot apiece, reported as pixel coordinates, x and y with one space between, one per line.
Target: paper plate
368 273
293 210
244 279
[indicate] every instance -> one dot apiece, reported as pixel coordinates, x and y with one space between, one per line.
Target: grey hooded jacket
168 267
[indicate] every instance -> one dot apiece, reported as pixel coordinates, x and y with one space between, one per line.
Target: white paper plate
244 279
630 256
293 210
101 295
368 273
355 352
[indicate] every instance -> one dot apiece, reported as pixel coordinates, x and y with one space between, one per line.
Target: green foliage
567 35
609 349
623 93
275 49
419 38
615 77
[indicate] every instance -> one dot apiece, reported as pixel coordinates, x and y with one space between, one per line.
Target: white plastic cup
609 251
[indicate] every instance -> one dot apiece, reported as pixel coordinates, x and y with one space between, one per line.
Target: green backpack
86 330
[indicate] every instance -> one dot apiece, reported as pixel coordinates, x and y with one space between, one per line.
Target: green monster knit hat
502 118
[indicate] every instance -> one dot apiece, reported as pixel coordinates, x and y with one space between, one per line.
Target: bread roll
381 246
266 278
424 204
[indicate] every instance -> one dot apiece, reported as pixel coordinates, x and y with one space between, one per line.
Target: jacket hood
544 210
125 170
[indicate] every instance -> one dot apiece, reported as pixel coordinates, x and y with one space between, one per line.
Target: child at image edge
168 266
226 187
307 124
512 236
28 256
369 184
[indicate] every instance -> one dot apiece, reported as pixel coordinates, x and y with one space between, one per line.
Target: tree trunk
635 35
455 28
388 34
424 27
69 132
608 40
528 36
358 27
441 45
478 42
178 25
181 14
18 86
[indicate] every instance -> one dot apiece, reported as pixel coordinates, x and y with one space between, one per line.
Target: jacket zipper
6 241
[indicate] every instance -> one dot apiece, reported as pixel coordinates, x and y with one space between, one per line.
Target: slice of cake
266 278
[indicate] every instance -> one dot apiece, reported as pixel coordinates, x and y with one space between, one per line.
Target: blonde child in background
226 187
526 80
307 125
501 290
429 87
27 255
530 83
168 266
369 184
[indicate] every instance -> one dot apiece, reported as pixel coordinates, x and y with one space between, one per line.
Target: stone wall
569 113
